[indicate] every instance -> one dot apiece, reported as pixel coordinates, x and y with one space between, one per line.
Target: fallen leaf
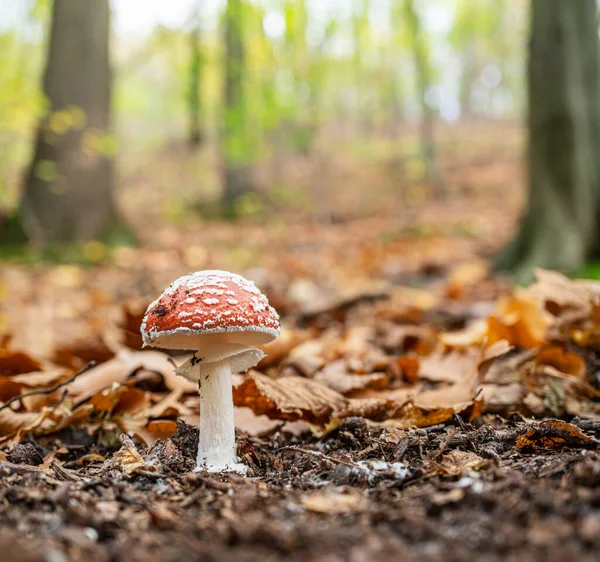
555 434
520 319
455 462
449 367
17 362
465 275
562 360
277 350
148 432
129 460
336 376
9 388
410 366
80 350
289 398
121 399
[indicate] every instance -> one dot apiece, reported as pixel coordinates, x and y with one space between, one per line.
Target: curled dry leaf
121 400
555 434
47 421
9 388
290 398
562 360
148 431
449 367
80 350
129 460
409 365
336 376
566 294
296 398
119 369
464 276
520 319
16 362
455 463
277 350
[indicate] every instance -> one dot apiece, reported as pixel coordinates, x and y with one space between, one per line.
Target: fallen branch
49 390
319 455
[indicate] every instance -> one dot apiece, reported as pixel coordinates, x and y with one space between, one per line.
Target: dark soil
538 505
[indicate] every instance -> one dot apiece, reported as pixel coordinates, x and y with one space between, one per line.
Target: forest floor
361 493
415 406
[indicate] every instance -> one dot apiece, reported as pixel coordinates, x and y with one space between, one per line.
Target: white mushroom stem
216 446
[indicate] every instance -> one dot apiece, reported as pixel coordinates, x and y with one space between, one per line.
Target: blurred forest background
258 109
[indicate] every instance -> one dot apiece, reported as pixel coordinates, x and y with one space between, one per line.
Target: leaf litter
368 397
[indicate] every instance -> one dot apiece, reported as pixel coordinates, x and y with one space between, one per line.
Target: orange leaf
562 360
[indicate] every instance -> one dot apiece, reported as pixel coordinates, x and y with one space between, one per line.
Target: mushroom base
217 451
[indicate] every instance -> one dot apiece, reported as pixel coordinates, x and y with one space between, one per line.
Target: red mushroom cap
209 307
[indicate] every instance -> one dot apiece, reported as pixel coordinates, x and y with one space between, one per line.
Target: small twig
48 390
322 456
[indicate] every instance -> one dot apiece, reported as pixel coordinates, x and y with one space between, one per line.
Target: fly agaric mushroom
220 316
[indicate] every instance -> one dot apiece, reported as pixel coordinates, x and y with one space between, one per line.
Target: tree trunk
237 178
68 193
422 69
194 101
559 229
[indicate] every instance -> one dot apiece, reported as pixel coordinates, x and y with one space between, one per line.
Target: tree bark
68 194
237 177
560 229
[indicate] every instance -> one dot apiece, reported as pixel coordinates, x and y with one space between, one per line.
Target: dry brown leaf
465 275
248 422
562 360
455 462
520 319
9 388
449 367
279 349
334 503
121 400
129 460
80 350
412 416
555 434
148 432
133 314
336 376
37 379
474 334
575 295
11 421
17 362
168 403
288 398
410 366
119 369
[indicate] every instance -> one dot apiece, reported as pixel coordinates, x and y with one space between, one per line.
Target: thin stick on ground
49 390
320 455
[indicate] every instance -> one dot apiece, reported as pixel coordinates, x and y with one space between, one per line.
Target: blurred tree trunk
560 227
68 194
237 178
194 99
423 76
